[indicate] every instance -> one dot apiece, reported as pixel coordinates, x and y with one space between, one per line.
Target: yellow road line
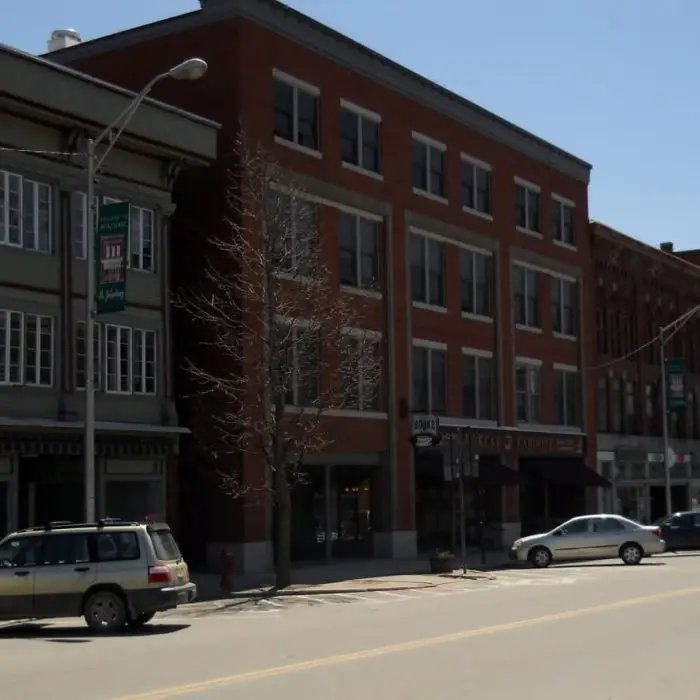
272 672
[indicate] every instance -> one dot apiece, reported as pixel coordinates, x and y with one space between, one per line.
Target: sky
615 82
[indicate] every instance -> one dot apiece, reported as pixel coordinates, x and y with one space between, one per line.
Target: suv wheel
105 612
141 620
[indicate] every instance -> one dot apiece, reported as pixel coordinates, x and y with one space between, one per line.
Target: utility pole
664 419
462 507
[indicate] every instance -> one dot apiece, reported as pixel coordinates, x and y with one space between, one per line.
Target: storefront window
631 502
638 470
132 500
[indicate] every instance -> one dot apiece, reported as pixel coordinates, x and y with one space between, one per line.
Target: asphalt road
598 632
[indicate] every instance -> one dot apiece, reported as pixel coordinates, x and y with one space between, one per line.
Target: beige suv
114 573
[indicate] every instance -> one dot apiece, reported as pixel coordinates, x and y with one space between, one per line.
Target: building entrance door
4 508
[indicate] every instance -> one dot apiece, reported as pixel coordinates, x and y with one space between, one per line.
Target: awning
567 472
497 474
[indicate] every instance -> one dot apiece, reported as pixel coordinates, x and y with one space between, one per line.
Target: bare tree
284 345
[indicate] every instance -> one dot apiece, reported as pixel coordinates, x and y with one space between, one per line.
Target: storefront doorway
4 508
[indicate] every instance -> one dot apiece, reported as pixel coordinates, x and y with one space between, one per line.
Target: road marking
273 603
392 595
390 649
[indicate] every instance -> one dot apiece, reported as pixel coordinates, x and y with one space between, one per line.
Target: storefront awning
567 472
494 473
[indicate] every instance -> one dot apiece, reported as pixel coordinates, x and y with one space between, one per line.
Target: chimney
63 38
667 247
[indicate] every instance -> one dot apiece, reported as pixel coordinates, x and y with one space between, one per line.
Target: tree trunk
283 500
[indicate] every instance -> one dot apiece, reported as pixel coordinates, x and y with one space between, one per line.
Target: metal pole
462 508
664 419
89 437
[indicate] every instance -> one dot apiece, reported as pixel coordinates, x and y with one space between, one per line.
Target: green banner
111 242
675 384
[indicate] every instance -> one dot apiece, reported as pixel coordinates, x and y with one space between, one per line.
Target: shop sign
521 444
675 382
425 431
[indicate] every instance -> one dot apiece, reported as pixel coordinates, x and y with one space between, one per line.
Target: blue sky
613 81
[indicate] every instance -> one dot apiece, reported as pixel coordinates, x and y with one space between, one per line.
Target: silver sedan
590 537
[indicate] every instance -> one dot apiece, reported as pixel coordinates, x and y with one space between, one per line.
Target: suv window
117 546
65 549
164 545
607 525
20 552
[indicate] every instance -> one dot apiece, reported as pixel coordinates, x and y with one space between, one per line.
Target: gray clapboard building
46 111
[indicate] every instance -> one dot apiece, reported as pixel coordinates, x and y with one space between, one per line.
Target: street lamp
191 69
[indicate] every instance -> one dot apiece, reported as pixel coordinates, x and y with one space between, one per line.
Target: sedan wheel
631 553
540 557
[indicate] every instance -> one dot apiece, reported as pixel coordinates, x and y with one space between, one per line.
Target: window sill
529 232
361 292
335 412
528 329
550 428
476 317
362 171
429 307
430 195
461 422
476 212
565 336
564 244
301 279
297 147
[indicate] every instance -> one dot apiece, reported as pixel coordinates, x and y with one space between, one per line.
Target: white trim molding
525 183
451 241
428 141
544 270
466 158
361 333
573 369
563 200
477 352
296 82
530 361
429 344
360 111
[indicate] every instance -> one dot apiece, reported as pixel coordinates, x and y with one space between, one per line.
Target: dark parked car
680 530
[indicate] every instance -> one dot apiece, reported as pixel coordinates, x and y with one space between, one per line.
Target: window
25 213
164 545
528 392
429 379
527 207
478 386
564 307
78 222
567 397
575 527
20 552
360 363
563 221
428 168
298 350
117 546
427 270
26 349
476 272
359 138
141 239
296 112
359 252
607 525
130 360
293 230
476 186
526 289
81 360
65 550
602 405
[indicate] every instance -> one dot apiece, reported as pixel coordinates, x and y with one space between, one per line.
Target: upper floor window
299 346
602 405
360 366
528 391
427 270
80 359
527 206
526 291
476 275
296 112
476 185
563 220
567 396
564 306
478 385
130 360
359 252
25 213
293 229
429 377
26 349
359 138
428 166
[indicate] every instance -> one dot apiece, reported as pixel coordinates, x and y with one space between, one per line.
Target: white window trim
144 332
470 160
8 316
295 323
364 291
469 314
567 203
476 352
429 344
99 371
524 326
450 241
310 89
432 143
374 336
120 328
52 320
528 185
572 369
426 140
5 175
363 114
545 271
559 334
323 201
141 210
529 361
360 111
426 305
563 200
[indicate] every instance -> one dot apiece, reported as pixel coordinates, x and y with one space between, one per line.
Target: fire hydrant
227 571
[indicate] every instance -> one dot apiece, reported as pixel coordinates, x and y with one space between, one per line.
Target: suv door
18 558
120 560
64 574
677 531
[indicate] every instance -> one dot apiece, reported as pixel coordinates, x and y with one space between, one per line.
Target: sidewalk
356 576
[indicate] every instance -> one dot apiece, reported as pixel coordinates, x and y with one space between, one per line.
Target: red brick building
478 231
638 289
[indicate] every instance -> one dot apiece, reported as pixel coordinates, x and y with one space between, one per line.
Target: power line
676 325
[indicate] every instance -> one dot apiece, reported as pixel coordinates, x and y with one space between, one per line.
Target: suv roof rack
69 525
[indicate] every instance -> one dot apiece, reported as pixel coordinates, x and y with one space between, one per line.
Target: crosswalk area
564 576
